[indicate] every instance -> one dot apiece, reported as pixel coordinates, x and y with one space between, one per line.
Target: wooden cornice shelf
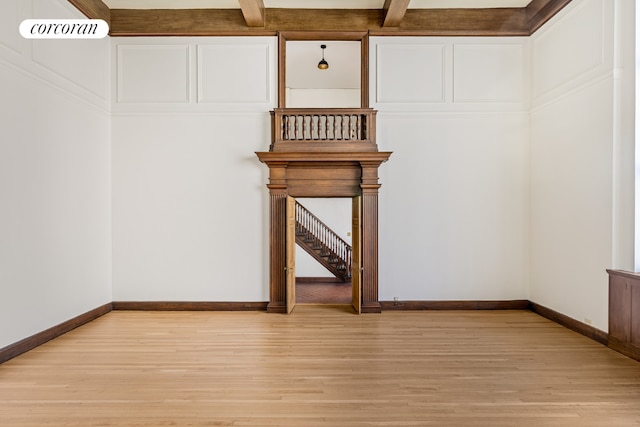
323 156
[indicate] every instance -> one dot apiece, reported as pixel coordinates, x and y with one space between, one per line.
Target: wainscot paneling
571 50
10 18
234 73
55 61
153 73
446 74
60 56
410 73
194 74
479 73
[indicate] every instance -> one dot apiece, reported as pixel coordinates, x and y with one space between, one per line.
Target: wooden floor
328 292
320 366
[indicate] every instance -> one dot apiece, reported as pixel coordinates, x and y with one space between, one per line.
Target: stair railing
328 240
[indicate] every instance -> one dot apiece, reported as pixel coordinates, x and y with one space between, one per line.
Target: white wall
581 158
188 191
55 242
505 183
190 203
454 196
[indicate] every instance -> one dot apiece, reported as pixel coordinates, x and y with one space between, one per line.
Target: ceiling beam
93 9
230 22
394 11
416 22
253 11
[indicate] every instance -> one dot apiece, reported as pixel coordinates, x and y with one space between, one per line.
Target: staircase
323 244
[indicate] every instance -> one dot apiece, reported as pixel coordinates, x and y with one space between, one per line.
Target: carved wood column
370 187
277 242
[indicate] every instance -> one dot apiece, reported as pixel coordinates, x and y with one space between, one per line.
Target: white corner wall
55 236
454 197
190 203
581 157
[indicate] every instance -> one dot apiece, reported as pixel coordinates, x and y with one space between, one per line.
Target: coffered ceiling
268 17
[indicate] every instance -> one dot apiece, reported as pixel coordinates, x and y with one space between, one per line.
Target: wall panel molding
558 67
54 62
153 73
194 74
234 73
9 22
410 73
478 73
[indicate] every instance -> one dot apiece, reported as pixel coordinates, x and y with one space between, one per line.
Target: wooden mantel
323 174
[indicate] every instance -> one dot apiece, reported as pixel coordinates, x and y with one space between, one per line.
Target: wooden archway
323 174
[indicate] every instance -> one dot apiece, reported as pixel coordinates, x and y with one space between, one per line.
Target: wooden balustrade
323 129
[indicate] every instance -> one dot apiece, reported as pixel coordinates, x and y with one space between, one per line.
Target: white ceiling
302 65
310 4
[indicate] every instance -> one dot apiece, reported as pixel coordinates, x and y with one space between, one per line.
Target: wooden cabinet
624 312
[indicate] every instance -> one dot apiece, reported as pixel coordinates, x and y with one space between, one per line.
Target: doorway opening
321 279
343 260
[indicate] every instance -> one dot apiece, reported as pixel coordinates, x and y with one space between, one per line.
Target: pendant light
323 65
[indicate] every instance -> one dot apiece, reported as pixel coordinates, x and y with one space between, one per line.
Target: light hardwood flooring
320 366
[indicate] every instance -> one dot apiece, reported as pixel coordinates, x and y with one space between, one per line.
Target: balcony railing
323 129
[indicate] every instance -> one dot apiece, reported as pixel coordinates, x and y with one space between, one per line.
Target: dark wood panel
419 22
624 312
634 332
277 249
369 251
304 189
455 305
619 308
93 9
314 171
625 347
189 306
40 338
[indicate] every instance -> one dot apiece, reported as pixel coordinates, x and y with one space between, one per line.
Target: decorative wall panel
570 50
9 21
410 73
234 73
488 73
153 73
